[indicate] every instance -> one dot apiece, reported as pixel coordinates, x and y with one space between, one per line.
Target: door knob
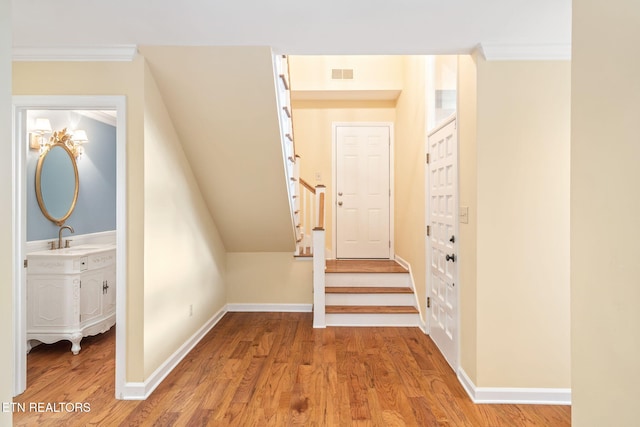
339 203
452 239
451 257
340 193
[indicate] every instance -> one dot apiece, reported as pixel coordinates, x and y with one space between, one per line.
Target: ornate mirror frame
57 143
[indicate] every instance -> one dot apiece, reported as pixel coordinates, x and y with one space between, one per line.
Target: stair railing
310 214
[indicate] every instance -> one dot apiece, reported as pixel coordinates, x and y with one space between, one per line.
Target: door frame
20 105
456 232
334 172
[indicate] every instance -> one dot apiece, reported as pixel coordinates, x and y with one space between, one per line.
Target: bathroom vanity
71 293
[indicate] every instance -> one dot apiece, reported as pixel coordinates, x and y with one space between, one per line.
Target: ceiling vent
342 74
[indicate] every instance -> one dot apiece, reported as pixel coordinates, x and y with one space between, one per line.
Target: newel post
320 201
318 278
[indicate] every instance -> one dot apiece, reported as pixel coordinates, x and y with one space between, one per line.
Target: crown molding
526 52
120 53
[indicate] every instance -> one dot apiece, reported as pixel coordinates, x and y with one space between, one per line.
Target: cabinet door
91 295
109 296
50 302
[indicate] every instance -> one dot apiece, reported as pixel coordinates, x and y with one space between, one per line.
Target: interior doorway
25 147
363 191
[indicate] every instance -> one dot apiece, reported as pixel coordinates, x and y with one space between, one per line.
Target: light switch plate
318 177
464 214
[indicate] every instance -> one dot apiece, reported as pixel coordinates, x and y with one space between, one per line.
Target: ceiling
296 26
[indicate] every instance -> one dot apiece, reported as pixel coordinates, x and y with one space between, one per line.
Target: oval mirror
57 183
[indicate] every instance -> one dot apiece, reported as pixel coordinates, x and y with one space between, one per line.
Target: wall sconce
36 138
72 140
78 138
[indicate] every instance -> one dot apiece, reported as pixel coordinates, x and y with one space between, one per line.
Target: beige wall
6 214
102 78
468 180
184 260
523 114
312 122
605 201
410 137
268 278
313 73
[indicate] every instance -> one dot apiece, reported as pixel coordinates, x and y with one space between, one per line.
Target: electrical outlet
190 310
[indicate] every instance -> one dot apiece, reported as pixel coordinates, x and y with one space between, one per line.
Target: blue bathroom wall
95 209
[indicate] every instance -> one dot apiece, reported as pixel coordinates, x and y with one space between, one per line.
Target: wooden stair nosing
367 290
370 309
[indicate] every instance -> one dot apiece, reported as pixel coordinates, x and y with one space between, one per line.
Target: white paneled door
362 192
442 243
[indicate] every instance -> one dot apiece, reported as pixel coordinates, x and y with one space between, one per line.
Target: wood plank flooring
274 369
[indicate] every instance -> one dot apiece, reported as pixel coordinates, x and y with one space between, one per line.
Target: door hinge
428 231
428 158
26 263
80 284
389 244
428 302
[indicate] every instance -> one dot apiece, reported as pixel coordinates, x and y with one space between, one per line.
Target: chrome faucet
68 227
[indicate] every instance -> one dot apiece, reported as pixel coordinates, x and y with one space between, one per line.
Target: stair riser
374 319
370 299
368 279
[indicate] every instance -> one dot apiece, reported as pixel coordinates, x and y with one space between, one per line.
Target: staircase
369 293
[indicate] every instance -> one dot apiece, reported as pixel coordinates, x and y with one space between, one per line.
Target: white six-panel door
362 192
442 242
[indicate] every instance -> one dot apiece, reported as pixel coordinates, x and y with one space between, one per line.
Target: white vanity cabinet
70 294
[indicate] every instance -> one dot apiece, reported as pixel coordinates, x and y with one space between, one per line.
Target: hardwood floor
274 369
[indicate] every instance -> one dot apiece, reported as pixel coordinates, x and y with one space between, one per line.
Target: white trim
121 53
19 205
526 52
407 266
20 105
512 395
422 324
121 244
141 391
270 308
334 126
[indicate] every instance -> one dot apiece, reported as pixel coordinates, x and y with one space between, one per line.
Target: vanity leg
75 343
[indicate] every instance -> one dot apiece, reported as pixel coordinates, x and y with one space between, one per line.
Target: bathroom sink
77 250
85 248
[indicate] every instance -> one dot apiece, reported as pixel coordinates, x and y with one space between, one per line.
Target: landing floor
364 266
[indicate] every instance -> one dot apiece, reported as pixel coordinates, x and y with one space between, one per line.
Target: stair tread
367 290
363 266
358 309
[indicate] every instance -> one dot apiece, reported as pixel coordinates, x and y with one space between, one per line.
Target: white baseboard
276 308
423 327
527 396
140 391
